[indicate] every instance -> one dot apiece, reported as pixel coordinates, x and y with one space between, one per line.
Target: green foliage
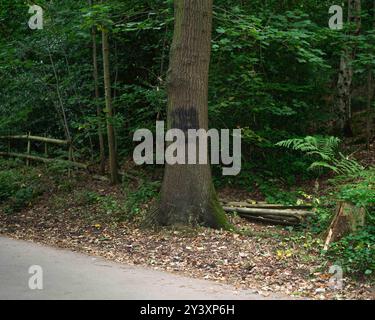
6 164
272 68
97 207
135 199
274 194
21 199
18 188
324 147
58 168
86 197
356 252
112 207
321 220
325 150
360 189
9 183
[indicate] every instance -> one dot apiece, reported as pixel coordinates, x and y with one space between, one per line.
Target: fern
324 150
321 164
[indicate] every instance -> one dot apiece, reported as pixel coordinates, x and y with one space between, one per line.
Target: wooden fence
29 157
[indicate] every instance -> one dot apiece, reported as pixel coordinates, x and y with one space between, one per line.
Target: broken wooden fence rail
36 138
46 141
44 160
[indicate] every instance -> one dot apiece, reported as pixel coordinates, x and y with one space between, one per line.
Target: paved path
69 275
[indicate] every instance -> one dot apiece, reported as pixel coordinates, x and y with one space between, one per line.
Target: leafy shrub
18 188
9 183
58 168
21 199
321 220
112 207
6 164
86 197
356 252
275 195
360 190
145 192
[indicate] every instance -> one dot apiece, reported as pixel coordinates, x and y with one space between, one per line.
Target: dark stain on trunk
184 119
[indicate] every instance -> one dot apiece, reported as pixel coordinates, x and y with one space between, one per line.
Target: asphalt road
69 275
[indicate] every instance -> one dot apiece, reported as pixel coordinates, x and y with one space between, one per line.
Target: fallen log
264 211
288 217
269 220
265 205
272 220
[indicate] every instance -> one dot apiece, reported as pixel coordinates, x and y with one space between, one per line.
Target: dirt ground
270 259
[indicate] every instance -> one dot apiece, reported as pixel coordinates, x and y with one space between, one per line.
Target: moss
220 220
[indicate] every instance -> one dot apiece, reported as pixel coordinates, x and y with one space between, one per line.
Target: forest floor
84 215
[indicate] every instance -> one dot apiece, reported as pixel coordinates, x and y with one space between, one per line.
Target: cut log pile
269 213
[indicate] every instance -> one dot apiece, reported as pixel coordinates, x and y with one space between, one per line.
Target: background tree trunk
97 97
60 99
188 196
370 97
109 110
345 78
369 118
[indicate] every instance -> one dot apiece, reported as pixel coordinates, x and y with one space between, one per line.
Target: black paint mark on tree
185 118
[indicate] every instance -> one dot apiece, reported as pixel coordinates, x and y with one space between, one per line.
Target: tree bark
109 110
369 118
345 77
188 196
370 97
97 97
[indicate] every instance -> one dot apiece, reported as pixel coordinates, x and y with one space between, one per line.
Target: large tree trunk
345 77
97 96
109 110
188 196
